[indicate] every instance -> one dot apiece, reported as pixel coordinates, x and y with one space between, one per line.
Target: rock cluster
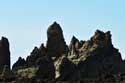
95 58
80 60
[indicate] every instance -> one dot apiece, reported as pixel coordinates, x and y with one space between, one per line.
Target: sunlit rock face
4 53
95 57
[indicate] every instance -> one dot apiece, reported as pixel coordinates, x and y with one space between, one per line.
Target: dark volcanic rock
95 57
46 68
63 67
92 59
103 40
19 64
4 53
56 45
74 44
66 68
98 56
36 54
37 59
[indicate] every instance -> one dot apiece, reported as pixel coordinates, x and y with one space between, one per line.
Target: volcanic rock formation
56 45
91 59
4 53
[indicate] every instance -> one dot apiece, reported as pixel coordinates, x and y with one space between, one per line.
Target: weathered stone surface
74 47
66 68
103 40
56 45
97 56
93 59
4 53
75 44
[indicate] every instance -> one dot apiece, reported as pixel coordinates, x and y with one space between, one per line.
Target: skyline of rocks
95 58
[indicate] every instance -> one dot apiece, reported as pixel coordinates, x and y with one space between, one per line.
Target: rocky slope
94 59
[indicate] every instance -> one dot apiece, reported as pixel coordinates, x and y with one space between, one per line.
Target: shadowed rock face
19 64
56 45
4 53
46 68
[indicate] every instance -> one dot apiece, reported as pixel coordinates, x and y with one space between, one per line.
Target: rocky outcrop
74 47
21 63
4 53
56 45
36 54
38 63
95 58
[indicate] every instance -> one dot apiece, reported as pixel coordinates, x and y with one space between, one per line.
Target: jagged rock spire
103 40
19 64
4 52
56 45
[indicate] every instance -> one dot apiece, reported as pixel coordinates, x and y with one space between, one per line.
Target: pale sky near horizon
24 22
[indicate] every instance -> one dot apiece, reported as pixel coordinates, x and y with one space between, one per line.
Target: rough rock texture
91 59
37 59
35 55
95 58
56 45
64 68
46 68
74 47
4 53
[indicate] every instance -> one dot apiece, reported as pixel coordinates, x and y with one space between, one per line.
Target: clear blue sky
24 22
